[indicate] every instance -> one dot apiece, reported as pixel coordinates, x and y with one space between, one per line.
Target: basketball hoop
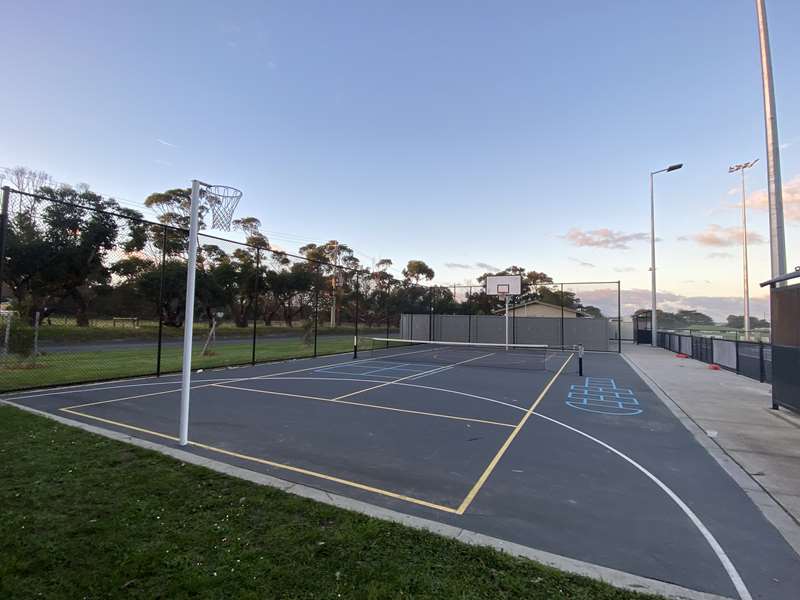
222 200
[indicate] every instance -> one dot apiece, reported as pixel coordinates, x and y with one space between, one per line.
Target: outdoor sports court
512 443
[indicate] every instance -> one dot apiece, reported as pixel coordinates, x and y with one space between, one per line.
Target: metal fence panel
749 360
452 328
702 349
537 330
725 353
686 345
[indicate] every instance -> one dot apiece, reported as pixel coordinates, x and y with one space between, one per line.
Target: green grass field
72 367
82 516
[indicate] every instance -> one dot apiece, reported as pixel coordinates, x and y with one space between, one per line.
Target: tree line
72 251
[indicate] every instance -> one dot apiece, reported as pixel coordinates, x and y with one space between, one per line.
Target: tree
737 322
333 255
60 251
593 312
416 270
693 317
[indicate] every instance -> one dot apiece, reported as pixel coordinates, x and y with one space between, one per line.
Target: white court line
398 367
414 385
414 376
221 379
444 368
727 564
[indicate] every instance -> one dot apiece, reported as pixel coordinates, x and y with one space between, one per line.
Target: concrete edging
613 577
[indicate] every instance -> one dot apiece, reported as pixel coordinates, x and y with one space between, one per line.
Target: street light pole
653 314
741 167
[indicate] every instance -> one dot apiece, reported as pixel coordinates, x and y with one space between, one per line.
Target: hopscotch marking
601 395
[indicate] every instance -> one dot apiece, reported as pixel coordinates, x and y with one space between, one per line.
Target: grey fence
751 359
594 334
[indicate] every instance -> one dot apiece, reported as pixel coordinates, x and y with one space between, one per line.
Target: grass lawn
86 517
72 367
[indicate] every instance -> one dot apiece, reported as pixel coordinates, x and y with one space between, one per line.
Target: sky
470 135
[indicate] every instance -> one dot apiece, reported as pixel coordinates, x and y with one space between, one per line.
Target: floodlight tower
777 239
733 169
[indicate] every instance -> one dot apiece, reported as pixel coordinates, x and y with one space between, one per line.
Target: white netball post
504 286
221 201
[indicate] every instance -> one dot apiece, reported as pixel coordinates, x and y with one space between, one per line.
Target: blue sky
454 132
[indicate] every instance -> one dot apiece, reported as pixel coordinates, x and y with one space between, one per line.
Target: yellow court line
488 471
347 482
366 405
196 387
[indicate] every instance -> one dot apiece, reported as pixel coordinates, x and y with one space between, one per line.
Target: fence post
430 315
387 315
316 310
762 372
355 334
255 307
35 336
3 229
619 318
562 316
161 301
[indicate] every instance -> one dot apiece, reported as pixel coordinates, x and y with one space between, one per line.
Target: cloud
733 191
486 266
719 236
624 270
582 263
717 307
719 255
791 200
166 143
457 266
165 163
603 238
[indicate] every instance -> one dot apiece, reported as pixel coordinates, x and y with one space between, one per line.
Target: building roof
577 312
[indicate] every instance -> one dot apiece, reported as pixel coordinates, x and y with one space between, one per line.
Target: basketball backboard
503 285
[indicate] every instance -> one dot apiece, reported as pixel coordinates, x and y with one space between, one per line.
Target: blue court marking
601 395
399 367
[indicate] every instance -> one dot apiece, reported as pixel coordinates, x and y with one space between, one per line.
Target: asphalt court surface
591 467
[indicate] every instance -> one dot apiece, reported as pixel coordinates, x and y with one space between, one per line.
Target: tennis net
537 357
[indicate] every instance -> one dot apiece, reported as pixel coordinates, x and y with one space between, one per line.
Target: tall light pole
653 317
741 167
777 239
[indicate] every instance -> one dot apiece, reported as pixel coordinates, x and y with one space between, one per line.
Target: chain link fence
89 292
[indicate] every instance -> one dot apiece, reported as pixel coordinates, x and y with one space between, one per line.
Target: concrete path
735 414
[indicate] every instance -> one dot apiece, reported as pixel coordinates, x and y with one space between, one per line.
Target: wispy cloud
791 200
719 236
624 270
486 266
603 238
719 255
166 143
165 163
457 266
733 191
582 263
